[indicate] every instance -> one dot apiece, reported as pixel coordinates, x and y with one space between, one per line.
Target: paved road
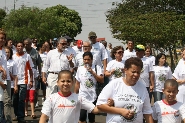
99 118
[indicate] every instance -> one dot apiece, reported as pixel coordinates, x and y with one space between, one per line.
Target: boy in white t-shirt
2 87
169 110
64 106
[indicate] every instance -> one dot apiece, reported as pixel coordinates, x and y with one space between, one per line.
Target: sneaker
37 105
14 119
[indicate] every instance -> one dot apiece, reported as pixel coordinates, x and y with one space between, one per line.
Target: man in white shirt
57 60
130 52
99 49
147 74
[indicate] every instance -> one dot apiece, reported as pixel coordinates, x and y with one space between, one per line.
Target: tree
42 24
2 15
159 23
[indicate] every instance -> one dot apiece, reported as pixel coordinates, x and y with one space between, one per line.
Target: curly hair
114 50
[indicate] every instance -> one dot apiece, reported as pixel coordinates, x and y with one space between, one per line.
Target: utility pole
14 5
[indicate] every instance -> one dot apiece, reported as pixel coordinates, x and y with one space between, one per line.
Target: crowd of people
70 75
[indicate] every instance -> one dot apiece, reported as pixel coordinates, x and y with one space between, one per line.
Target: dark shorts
40 84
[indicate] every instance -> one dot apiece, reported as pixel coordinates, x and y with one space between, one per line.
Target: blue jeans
2 117
19 102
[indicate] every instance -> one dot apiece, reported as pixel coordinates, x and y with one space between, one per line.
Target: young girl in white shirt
169 110
64 106
162 72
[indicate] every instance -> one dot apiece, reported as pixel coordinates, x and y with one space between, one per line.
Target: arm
43 118
98 78
148 118
151 76
15 84
77 86
109 73
104 64
31 78
2 85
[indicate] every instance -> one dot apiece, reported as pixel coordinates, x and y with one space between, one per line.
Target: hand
151 88
127 113
110 102
112 71
44 79
30 84
70 57
90 70
15 89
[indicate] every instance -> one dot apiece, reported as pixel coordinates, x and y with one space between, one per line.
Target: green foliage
160 22
42 24
2 15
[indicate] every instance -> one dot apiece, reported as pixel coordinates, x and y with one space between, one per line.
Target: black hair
114 50
11 52
50 45
21 42
65 72
133 61
88 54
40 46
171 82
158 57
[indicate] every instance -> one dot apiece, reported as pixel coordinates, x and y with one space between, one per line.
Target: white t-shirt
147 67
179 74
99 49
165 113
118 66
62 109
134 98
109 57
152 59
12 68
1 89
34 76
71 50
79 59
77 50
24 63
161 74
87 82
127 54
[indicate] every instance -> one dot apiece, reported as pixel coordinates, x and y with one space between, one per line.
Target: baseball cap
92 34
68 38
140 47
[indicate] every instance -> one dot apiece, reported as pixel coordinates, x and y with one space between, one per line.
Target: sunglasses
92 37
63 43
120 52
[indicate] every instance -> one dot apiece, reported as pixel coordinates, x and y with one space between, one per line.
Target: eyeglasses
86 46
92 37
120 52
63 43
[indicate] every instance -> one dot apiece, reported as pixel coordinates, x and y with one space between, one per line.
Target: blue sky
92 13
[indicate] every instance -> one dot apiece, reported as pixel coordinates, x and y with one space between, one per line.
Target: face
130 45
9 43
140 54
27 44
46 45
132 74
35 42
86 47
92 38
62 45
105 44
87 60
147 52
119 54
20 48
65 83
183 54
7 53
162 60
2 39
170 93
43 48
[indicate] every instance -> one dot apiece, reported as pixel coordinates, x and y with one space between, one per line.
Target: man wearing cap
98 49
57 59
130 52
147 75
